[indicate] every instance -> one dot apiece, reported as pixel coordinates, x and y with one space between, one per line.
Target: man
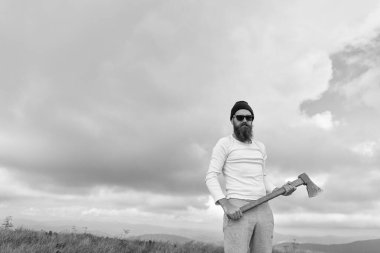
241 159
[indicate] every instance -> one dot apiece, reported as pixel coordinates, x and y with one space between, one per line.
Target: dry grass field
28 241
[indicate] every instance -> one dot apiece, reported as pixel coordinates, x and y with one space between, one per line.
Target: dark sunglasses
241 117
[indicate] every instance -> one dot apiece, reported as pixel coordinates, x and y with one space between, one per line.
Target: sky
109 110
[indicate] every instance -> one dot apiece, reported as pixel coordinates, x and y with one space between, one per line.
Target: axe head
312 189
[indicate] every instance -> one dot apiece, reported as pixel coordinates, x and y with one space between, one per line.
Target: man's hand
289 189
232 212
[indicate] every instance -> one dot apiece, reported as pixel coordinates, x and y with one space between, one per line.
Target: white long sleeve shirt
243 168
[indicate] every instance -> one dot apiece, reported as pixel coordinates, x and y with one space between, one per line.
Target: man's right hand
233 212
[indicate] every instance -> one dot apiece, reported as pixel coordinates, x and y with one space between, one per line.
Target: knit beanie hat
240 105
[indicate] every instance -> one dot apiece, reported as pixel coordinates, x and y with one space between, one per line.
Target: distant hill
327 239
367 246
161 238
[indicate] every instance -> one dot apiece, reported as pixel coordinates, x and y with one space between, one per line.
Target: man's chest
248 155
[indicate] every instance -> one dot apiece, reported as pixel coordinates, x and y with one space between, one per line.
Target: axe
303 179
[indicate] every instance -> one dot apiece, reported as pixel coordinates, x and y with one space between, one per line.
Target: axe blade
312 189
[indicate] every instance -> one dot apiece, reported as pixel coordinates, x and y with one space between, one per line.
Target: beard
243 132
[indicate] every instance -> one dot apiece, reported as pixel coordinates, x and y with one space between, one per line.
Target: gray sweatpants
252 233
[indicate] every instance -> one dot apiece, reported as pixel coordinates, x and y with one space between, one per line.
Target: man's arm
269 186
218 158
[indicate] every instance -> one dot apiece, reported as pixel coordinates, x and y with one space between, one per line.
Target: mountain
327 239
367 246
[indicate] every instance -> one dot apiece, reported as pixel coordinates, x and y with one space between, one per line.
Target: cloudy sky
109 110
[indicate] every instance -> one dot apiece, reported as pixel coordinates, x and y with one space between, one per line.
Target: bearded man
241 160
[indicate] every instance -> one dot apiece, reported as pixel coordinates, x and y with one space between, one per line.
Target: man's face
243 127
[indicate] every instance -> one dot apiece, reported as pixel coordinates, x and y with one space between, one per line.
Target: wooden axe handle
270 196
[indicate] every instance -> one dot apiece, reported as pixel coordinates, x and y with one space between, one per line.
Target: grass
28 241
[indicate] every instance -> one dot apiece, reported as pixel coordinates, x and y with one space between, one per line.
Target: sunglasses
241 117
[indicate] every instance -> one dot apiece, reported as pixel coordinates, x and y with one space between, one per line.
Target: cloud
365 148
96 102
353 83
322 120
122 102
347 108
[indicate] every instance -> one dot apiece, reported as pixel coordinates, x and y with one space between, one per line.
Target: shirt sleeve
269 186
218 158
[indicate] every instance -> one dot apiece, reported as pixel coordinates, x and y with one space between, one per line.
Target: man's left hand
289 188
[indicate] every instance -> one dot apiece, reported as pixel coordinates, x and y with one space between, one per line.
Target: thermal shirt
243 167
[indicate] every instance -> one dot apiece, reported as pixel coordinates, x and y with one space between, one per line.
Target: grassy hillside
161 238
28 241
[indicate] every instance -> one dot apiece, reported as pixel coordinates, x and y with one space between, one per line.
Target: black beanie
240 105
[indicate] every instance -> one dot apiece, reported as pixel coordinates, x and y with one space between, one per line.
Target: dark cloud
158 167
348 95
102 99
